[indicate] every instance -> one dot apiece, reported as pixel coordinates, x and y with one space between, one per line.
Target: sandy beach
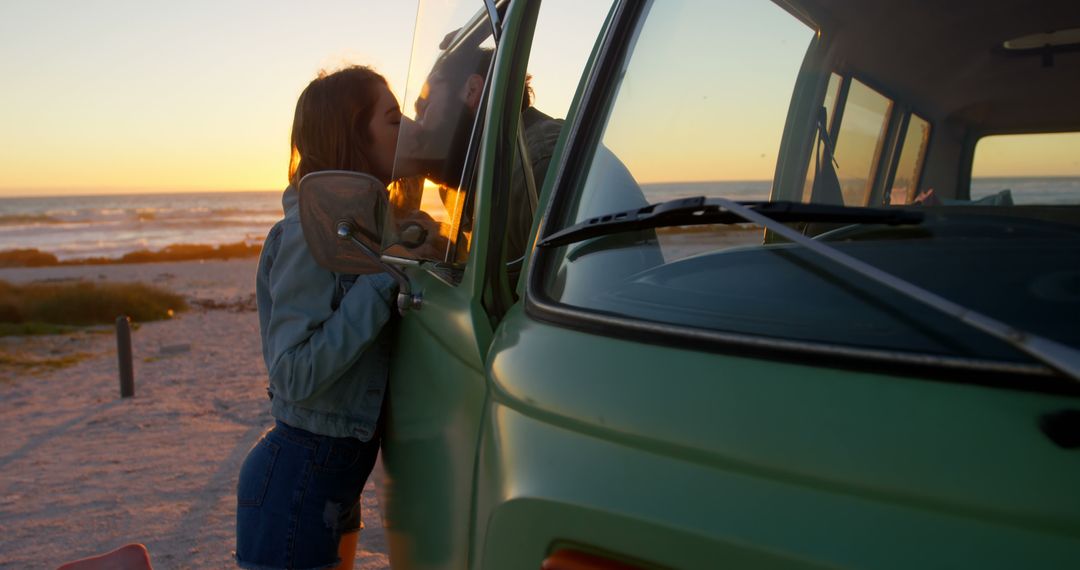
83 471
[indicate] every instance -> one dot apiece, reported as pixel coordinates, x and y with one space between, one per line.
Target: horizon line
60 192
67 192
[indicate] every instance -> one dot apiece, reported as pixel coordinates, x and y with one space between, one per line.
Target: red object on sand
127 557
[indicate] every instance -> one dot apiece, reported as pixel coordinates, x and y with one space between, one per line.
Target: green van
776 284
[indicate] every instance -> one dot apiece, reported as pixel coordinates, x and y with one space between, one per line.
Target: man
446 111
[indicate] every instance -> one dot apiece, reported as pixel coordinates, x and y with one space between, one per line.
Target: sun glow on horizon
1003 156
123 96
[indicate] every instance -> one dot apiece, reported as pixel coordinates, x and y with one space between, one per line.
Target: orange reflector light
575 560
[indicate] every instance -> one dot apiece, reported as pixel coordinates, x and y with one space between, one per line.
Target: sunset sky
117 96
133 96
121 96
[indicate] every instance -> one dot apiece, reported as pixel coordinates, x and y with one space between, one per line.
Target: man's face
435 106
436 147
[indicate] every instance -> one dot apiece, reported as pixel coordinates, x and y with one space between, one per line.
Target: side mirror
336 205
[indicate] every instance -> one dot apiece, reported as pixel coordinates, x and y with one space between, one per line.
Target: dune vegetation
31 257
51 308
28 362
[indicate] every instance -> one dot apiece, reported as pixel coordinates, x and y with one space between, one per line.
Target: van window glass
909 167
443 104
698 119
829 104
565 33
689 120
1031 169
860 140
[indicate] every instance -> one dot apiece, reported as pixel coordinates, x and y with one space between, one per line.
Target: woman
299 490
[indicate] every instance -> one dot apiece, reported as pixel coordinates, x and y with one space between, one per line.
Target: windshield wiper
1060 357
702 211
770 215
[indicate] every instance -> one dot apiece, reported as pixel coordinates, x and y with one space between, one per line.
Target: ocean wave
34 257
198 218
27 219
80 227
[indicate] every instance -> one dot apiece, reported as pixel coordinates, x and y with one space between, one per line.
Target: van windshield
857 118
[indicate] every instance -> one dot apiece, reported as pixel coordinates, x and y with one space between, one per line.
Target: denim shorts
298 493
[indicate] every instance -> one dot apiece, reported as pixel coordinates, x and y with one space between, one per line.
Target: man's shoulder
541 133
538 121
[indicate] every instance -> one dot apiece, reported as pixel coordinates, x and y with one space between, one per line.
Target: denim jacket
322 335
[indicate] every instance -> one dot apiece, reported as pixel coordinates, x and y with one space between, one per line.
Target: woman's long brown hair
330 127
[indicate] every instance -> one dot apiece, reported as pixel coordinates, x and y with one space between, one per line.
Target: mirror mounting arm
406 299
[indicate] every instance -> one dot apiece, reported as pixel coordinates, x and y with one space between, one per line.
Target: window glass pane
689 119
565 33
693 118
858 145
829 104
909 167
452 51
1031 169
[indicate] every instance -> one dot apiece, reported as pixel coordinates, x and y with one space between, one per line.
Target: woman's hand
420 236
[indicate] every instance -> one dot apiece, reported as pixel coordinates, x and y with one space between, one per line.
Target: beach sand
83 471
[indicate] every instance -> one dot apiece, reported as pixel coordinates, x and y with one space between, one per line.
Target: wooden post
123 352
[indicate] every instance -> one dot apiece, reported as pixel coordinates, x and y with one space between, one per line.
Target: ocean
78 227
1025 191
1046 190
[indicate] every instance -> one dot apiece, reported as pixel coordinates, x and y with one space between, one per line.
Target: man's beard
440 154
451 169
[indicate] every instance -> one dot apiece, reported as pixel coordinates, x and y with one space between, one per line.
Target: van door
457 92
437 387
438 384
